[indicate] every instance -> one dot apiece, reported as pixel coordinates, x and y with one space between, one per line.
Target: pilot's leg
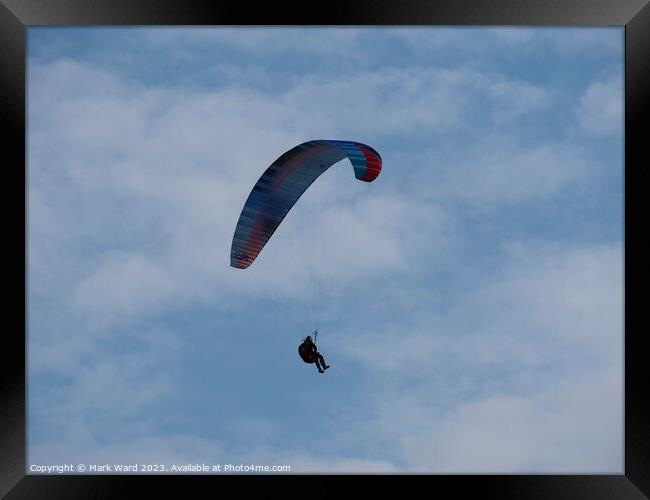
322 361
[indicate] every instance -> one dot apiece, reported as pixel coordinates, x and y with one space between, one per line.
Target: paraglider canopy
284 182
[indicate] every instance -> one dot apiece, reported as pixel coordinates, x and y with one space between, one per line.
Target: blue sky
474 314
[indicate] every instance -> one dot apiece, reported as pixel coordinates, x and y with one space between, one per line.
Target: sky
473 313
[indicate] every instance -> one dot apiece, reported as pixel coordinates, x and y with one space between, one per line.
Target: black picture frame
17 15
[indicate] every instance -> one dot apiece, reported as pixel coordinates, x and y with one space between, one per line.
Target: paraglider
278 190
309 353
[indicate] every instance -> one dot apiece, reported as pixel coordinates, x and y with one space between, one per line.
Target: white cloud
82 446
523 374
576 427
308 464
497 171
179 450
545 298
122 284
600 111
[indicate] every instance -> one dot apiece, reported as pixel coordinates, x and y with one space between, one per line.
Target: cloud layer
474 289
